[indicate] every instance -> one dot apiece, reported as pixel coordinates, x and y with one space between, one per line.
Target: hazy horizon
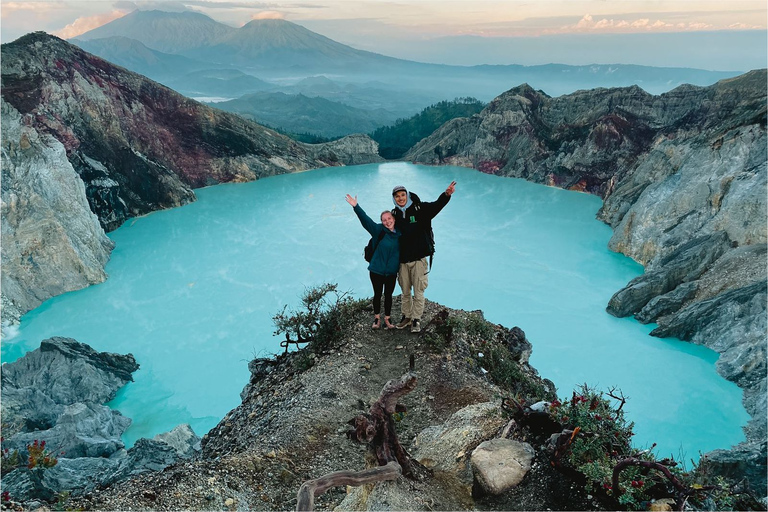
694 34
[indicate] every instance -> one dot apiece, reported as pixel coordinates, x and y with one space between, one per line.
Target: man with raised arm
413 218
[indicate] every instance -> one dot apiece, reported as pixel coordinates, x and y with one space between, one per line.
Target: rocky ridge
295 412
292 421
81 131
683 178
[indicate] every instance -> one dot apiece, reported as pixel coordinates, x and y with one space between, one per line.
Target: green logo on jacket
413 219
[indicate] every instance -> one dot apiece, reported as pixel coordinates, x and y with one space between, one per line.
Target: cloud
84 24
148 5
229 5
589 23
22 6
743 26
125 5
268 15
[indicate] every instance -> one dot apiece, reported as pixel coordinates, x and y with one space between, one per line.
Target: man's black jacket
416 227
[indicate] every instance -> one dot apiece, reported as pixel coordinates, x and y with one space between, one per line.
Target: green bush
321 321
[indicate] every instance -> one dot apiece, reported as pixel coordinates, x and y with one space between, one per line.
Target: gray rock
82 430
182 439
82 475
24 484
150 455
687 263
447 447
666 304
501 464
518 345
52 243
737 463
381 497
61 372
719 324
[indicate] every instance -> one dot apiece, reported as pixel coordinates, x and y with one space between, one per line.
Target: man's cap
398 189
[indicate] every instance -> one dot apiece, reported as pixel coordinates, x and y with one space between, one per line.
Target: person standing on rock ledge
385 260
413 218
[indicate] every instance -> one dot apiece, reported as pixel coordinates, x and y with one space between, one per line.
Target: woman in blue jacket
385 261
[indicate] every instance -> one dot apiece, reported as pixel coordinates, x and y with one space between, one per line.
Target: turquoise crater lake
192 291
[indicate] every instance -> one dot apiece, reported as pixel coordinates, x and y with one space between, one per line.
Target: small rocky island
479 429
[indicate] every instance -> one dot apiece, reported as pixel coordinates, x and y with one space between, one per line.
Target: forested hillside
395 140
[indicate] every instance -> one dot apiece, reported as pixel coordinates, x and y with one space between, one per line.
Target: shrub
321 320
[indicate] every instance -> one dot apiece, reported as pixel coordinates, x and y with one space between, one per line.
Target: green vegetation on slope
394 141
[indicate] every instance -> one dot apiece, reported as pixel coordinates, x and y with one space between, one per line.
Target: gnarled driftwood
377 428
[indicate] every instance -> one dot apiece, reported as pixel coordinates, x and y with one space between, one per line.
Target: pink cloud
589 23
268 15
84 24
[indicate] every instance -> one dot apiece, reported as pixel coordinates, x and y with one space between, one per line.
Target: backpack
371 247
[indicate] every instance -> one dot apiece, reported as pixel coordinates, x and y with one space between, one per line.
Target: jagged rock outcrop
51 242
55 394
136 146
683 177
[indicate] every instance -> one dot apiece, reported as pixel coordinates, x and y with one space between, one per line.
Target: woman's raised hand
352 200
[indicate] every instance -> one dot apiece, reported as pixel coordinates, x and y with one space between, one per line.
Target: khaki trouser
413 275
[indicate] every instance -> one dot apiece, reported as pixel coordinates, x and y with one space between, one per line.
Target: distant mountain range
284 52
202 58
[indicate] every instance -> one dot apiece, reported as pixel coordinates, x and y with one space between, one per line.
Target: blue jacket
386 258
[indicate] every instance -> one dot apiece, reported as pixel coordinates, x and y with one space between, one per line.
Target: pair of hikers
403 241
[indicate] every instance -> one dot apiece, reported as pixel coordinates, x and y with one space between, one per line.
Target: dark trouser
387 285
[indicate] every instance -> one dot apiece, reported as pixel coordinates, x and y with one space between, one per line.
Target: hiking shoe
405 322
416 326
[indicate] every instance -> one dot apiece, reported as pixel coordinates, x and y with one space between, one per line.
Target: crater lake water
192 291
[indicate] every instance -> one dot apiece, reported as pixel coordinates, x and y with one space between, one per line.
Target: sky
650 32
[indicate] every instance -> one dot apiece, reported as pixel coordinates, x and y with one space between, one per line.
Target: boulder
182 439
518 345
447 447
380 496
501 464
671 302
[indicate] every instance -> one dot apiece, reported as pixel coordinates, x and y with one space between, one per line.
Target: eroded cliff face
683 176
86 136
51 241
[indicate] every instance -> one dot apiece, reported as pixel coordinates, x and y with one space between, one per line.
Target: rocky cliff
683 177
52 242
136 146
